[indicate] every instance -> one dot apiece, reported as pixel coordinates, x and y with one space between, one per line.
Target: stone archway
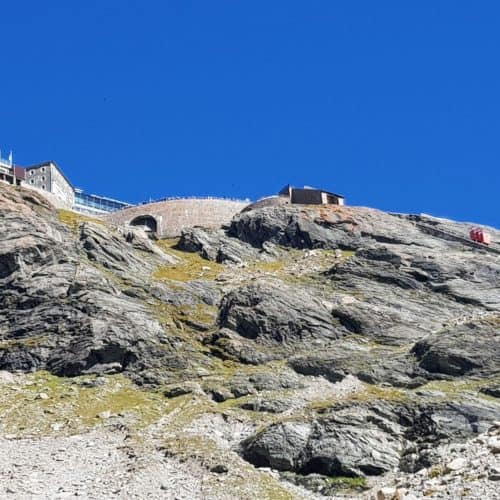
146 222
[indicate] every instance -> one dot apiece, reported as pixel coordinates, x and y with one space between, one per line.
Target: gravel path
99 464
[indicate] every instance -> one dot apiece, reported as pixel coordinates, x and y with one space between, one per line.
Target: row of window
33 182
42 169
104 204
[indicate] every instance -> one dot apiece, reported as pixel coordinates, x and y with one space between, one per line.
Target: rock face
271 314
216 245
62 314
472 349
363 439
261 323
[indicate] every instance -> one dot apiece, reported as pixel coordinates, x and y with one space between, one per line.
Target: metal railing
174 198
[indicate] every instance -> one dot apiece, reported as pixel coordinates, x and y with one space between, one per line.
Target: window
32 172
43 186
43 169
43 177
32 181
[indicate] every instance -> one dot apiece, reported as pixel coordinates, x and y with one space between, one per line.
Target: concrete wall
50 197
306 196
60 187
48 179
174 215
39 177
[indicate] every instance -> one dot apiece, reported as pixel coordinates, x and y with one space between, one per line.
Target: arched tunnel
147 222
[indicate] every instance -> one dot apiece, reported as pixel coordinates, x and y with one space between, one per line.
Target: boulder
468 349
276 315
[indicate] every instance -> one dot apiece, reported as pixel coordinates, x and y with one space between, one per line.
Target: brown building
310 196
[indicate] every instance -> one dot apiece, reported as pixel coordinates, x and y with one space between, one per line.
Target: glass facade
95 203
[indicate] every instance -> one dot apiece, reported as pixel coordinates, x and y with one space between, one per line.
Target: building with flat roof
311 196
49 177
9 173
93 204
306 195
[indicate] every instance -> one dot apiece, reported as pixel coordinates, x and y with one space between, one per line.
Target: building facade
298 196
311 196
49 177
9 173
93 204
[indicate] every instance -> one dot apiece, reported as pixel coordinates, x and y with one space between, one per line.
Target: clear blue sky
395 104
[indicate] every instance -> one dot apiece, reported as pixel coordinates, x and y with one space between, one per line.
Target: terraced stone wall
174 215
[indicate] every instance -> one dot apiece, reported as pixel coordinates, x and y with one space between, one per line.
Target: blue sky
394 104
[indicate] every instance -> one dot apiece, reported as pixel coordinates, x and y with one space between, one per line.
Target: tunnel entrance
146 222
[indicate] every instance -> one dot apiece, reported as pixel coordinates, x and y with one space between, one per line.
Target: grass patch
435 471
26 342
200 316
369 392
273 266
191 266
372 392
454 389
74 406
74 219
347 482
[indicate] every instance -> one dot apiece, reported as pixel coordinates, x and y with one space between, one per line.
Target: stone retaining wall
55 200
174 215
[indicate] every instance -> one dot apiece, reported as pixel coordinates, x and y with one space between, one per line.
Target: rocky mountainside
300 352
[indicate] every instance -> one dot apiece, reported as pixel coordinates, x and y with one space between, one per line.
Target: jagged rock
279 447
469 349
276 380
108 249
333 227
348 444
229 345
402 294
63 315
361 439
398 369
409 304
182 389
268 405
216 246
276 315
493 391
288 226
219 469
220 394
456 465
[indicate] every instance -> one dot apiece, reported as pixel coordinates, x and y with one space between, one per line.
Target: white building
49 177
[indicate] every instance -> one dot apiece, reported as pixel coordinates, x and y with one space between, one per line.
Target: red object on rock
480 236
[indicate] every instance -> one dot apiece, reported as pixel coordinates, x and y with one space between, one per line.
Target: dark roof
287 188
48 164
